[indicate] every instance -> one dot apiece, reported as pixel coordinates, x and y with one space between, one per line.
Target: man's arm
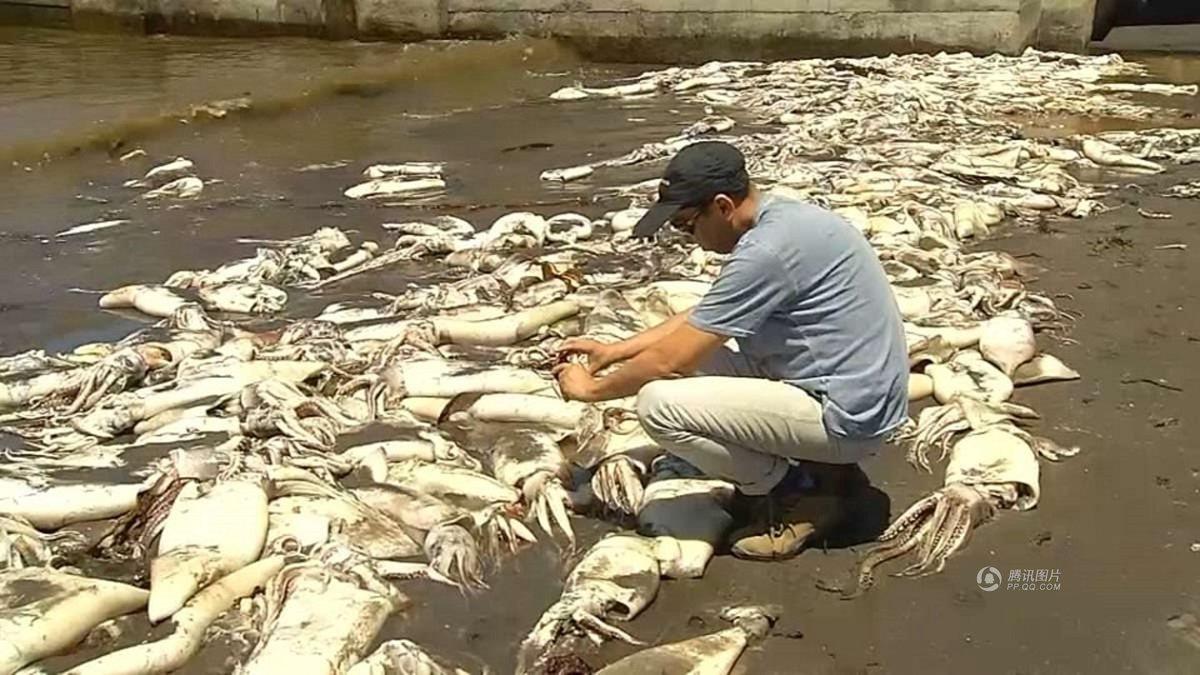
631 347
600 355
679 352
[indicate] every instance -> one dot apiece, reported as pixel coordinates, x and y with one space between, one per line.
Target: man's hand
575 382
599 355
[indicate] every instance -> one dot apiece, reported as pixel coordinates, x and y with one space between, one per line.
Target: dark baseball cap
694 176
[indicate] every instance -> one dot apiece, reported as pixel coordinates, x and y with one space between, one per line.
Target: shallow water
478 107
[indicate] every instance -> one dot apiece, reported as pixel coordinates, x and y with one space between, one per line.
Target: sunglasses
687 225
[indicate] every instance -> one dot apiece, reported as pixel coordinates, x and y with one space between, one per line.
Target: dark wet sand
1116 521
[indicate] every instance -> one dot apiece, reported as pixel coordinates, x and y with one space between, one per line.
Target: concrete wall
327 18
51 13
1066 25
402 18
642 30
704 29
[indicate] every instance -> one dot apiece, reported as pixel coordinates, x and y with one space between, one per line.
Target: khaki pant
732 423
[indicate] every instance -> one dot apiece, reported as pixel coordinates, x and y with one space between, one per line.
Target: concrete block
107 15
679 36
43 13
1066 25
110 7
401 18
740 6
287 12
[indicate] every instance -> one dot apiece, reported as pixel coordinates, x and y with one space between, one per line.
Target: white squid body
122 413
185 343
21 392
993 455
517 456
567 174
56 506
619 459
425 408
392 187
325 626
528 408
402 657
429 447
437 225
616 579
244 298
379 539
502 332
189 428
913 302
346 313
365 252
406 169
959 337
1043 368
66 608
692 511
156 301
712 654
541 293
164 173
518 228
452 482
1107 154
568 228
245 372
182 188
434 378
625 219
190 624
660 300
205 537
920 386
297 528
623 569
613 318
1007 342
169 417
973 219
968 374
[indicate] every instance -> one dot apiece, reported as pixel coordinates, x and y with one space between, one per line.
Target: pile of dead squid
292 474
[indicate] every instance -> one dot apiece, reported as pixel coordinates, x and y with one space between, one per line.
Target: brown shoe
788 520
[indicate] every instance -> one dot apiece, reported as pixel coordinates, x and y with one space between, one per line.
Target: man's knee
653 403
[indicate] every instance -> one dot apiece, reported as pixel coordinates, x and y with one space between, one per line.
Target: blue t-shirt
806 298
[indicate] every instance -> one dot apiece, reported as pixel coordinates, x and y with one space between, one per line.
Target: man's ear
725 204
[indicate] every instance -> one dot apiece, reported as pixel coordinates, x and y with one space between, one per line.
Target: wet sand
1116 522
